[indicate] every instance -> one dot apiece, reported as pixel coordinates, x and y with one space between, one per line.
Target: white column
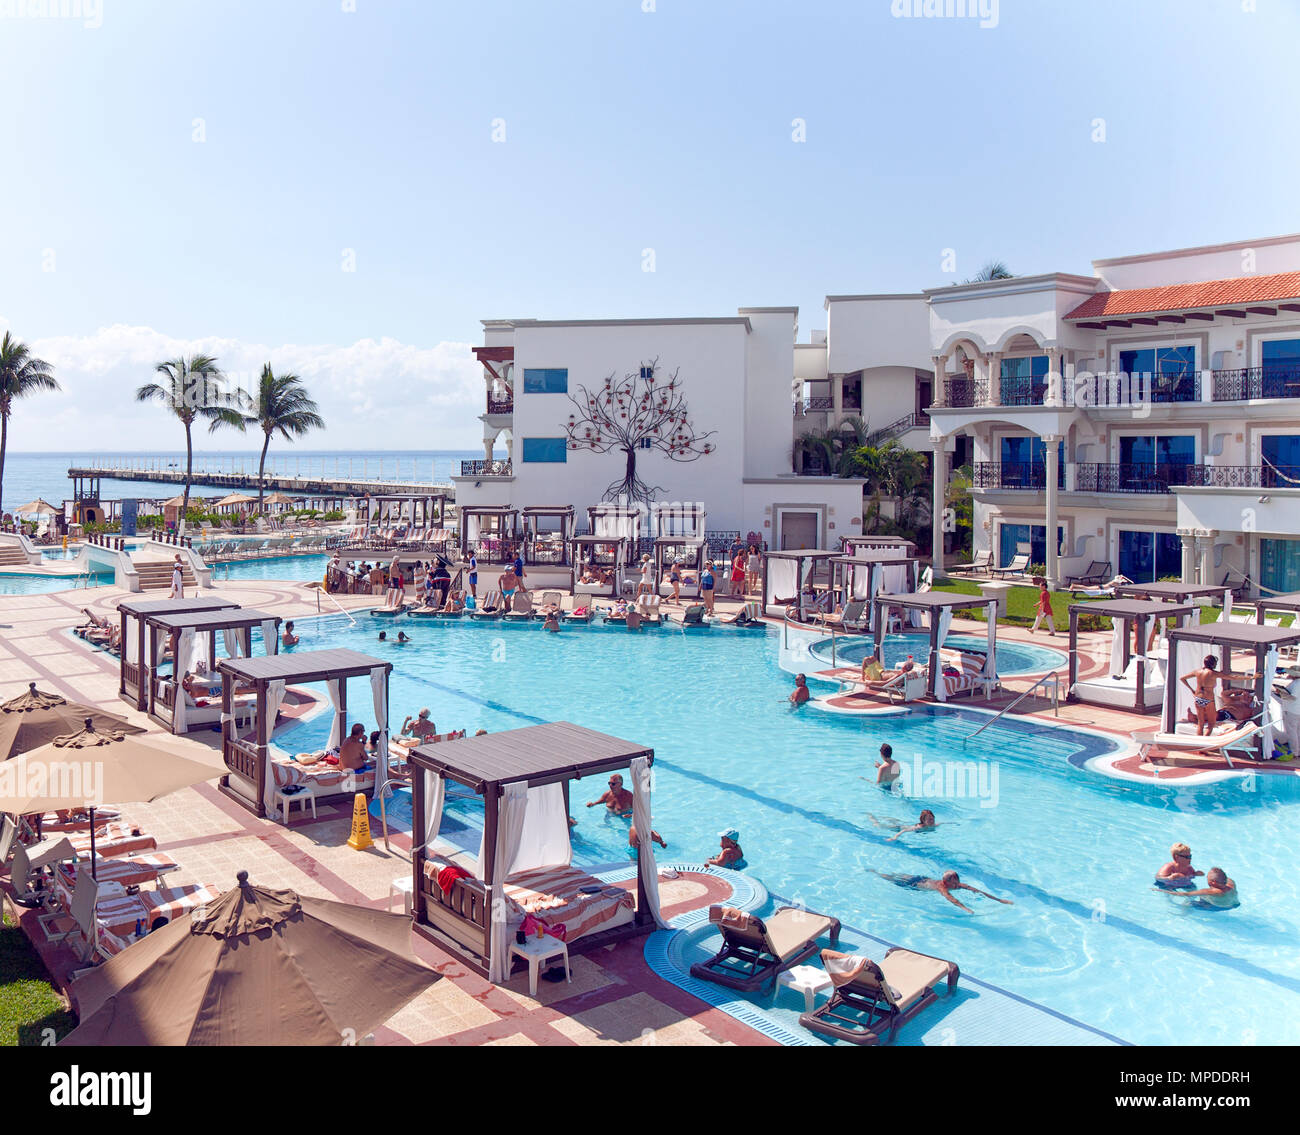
940 480
837 399
939 394
993 362
1053 396
1188 568
1207 556
1050 443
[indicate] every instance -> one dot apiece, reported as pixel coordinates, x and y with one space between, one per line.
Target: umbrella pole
93 872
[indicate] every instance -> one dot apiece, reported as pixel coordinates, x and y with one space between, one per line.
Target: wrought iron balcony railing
1015 475
1276 381
485 469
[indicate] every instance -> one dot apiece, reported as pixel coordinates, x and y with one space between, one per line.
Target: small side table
400 887
808 980
537 950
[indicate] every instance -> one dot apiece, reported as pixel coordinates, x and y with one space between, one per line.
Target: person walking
1043 609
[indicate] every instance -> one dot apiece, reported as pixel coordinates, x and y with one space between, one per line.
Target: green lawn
28 1004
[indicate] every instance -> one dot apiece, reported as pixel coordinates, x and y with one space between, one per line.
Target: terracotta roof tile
1184 297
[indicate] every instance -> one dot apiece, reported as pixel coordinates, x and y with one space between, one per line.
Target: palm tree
20 375
192 390
993 270
281 405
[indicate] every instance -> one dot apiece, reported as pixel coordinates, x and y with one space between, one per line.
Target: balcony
485 469
1015 475
1134 478
504 405
1023 391
964 392
1256 382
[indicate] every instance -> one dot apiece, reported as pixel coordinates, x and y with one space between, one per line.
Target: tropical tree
280 405
194 390
894 472
959 505
21 374
832 449
993 270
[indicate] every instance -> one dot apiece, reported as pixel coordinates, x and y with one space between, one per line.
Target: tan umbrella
236 498
280 498
38 507
37 718
259 966
92 768
176 502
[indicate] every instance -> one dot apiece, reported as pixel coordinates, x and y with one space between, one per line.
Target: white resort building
1148 414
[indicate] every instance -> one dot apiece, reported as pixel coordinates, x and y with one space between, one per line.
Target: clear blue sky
371 130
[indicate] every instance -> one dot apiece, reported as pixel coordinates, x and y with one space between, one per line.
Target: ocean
31 475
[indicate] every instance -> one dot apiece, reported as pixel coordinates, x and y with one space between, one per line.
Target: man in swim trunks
352 753
1219 892
472 578
926 823
618 799
945 885
289 638
1206 679
888 770
1178 871
800 694
507 584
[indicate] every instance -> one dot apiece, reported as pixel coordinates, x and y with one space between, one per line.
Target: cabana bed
473 906
938 606
548 531
490 532
196 653
690 552
866 574
133 612
789 579
617 522
256 772
1136 678
603 554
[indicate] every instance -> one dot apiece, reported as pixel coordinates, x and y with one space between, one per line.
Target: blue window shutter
545 449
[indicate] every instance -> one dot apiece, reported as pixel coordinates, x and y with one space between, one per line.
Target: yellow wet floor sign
360 837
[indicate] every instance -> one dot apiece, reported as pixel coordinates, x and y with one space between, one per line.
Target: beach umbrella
91 768
38 507
278 497
36 718
176 502
236 498
257 967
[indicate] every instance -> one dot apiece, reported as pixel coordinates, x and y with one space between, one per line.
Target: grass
31 1012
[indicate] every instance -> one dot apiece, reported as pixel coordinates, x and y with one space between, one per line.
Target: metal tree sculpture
642 412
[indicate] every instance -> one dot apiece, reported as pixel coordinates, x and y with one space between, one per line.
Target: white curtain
379 696
873 589
184 651
913 570
333 685
274 698
512 809
894 579
544 840
230 637
782 579
862 576
643 821
616 524
270 637
944 616
435 794
991 658
472 527
1270 705
1186 660
133 643
200 652
1117 631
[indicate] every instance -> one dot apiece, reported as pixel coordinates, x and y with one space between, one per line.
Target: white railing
1053 677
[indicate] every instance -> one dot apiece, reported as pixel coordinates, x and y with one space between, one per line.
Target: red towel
448 875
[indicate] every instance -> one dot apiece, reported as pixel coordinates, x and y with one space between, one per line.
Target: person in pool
402 636
420 729
618 799
1178 872
948 882
552 623
730 854
888 770
289 638
633 842
1219 892
926 823
800 694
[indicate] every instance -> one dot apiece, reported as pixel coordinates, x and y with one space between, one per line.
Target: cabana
472 906
256 774
618 522
690 552
973 672
195 653
133 612
490 532
865 574
1170 591
674 518
1136 678
1188 646
854 544
547 532
1287 604
788 580
602 554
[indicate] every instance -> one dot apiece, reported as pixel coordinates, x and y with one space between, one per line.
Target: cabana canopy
866 573
619 521
1169 590
938 606
130 687
523 776
1124 613
677 519
268 676
547 546
1288 602
1187 648
606 552
788 579
490 532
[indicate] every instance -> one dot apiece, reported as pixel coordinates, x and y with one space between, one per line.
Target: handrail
342 610
1053 677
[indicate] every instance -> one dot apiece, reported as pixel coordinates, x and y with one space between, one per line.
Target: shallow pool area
1013 657
34 583
1087 936
298 568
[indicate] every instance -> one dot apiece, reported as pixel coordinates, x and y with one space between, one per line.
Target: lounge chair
551 601
647 607
871 1002
693 616
755 950
521 607
850 617
32 858
980 562
487 606
1188 744
1018 566
581 614
1098 573
926 582
750 615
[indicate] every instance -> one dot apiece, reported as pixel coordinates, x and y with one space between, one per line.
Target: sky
345 188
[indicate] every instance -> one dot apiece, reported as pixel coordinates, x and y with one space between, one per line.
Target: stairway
12 556
156 575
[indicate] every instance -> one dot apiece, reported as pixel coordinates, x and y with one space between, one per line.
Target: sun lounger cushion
909 975
789 931
554 895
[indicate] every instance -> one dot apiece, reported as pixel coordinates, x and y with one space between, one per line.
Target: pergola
236 625
689 551
547 546
268 676
1287 602
1138 614
938 606
677 519
1189 644
131 661
865 574
854 544
489 531
421 507
617 521
523 776
1169 591
605 552
788 578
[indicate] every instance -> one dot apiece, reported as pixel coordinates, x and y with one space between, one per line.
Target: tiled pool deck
616 997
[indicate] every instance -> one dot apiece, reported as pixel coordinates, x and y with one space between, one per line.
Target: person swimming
888 770
925 823
800 694
618 799
1177 874
948 882
730 854
1219 892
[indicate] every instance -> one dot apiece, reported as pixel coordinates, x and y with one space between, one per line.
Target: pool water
29 583
273 567
1087 935
1013 657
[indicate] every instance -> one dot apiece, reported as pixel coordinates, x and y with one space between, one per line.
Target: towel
448 875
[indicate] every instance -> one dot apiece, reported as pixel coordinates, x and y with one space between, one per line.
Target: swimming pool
1013 657
273 567
1076 851
30 583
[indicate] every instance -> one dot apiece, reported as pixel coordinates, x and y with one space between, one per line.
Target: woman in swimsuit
945 885
1203 692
